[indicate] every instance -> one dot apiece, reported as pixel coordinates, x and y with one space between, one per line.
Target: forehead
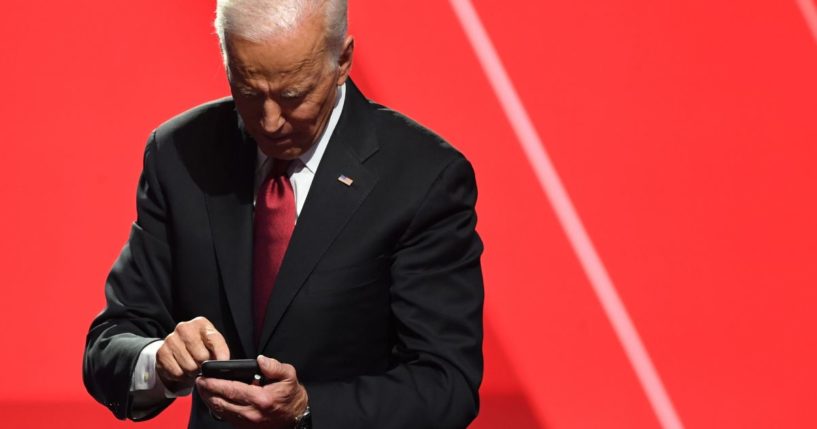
295 53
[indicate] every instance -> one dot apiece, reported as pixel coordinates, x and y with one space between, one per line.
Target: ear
345 59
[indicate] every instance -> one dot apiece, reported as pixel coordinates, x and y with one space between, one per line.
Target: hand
179 359
275 405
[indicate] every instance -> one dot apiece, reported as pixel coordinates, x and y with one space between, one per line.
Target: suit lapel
329 205
231 225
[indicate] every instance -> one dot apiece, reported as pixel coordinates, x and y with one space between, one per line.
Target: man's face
285 88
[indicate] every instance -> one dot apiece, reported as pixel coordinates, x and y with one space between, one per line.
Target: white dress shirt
146 388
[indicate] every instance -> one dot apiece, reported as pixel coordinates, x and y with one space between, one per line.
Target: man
365 313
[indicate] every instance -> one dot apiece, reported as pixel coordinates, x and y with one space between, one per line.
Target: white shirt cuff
145 382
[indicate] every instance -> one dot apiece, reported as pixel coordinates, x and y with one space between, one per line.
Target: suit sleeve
436 302
138 300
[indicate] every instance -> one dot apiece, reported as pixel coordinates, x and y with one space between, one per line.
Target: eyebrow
291 91
247 72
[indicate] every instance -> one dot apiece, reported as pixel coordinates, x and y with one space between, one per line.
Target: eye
248 92
291 100
292 95
244 90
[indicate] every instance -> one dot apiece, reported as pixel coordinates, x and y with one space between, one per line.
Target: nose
271 120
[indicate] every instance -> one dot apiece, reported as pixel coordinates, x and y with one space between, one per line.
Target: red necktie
272 228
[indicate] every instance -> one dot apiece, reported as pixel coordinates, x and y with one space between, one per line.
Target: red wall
684 133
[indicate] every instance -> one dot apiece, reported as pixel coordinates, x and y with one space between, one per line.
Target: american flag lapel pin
345 180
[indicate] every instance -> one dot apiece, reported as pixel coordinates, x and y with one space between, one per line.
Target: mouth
276 139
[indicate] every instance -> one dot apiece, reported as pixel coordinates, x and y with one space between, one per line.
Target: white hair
260 20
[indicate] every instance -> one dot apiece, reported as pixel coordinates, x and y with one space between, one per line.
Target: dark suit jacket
378 303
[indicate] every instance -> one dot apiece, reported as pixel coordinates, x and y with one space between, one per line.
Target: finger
191 334
196 349
273 370
234 413
180 354
215 343
233 391
166 363
215 403
201 387
282 392
215 410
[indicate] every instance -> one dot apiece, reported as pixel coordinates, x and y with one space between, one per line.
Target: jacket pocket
348 278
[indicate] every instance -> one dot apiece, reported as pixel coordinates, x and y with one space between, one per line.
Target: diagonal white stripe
810 14
566 213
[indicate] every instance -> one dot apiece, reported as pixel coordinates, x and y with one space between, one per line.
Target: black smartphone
244 370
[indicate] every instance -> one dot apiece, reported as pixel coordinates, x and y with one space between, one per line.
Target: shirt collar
312 157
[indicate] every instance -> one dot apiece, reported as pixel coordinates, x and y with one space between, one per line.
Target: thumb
272 369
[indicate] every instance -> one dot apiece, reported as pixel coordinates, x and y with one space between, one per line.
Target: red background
684 133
